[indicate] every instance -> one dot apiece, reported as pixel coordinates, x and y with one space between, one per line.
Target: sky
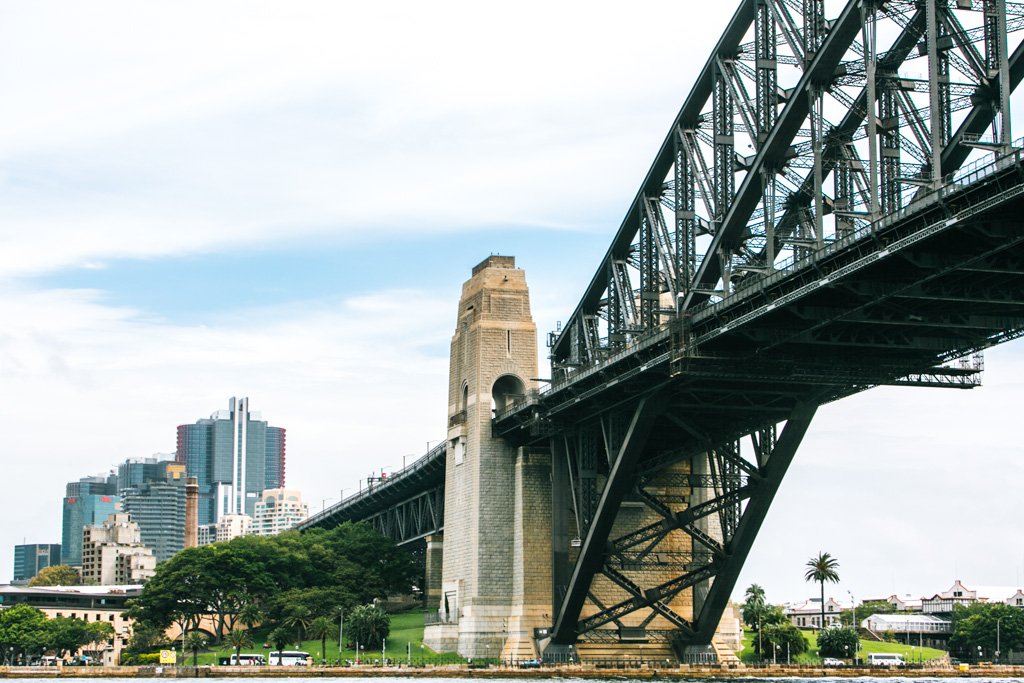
281 201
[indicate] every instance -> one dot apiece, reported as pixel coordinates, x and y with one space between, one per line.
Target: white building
808 614
959 594
233 526
113 553
910 628
904 604
278 510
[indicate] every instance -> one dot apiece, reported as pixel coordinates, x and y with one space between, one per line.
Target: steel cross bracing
833 208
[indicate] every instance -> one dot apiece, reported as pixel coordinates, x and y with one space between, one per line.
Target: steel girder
795 88
412 519
703 519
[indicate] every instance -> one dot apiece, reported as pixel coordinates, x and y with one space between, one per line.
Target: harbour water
568 676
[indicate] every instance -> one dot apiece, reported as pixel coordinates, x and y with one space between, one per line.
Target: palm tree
194 642
238 639
279 638
753 610
299 619
321 628
251 614
821 569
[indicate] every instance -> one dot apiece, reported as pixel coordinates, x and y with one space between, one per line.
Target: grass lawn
910 653
406 632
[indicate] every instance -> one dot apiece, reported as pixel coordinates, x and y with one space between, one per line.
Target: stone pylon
496 566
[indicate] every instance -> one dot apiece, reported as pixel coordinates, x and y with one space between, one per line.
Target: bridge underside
690 434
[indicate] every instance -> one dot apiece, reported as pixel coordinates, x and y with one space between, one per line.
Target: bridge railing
417 465
955 181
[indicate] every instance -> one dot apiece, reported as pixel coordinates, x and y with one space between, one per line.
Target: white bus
289 658
248 660
885 659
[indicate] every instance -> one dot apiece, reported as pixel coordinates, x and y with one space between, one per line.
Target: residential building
153 493
88 603
959 594
87 502
29 558
113 553
808 614
234 455
233 526
904 604
278 510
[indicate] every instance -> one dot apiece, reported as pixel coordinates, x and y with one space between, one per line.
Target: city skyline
288 214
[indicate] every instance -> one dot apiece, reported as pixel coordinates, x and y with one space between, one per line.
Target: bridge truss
810 228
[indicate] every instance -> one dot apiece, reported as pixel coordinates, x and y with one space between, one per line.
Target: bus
289 658
248 660
885 659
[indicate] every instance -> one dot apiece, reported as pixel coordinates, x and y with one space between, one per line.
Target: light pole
997 639
323 504
341 632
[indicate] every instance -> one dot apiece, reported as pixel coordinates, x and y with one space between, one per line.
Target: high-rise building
113 553
278 510
155 499
233 526
87 502
31 557
234 455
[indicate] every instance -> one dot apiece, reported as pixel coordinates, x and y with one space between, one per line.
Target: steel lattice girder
775 148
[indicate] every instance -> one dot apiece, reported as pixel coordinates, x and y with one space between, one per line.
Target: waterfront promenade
500 672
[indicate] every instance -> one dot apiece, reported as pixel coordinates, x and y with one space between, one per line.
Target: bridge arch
505 391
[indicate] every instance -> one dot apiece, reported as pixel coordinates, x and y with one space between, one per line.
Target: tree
821 569
194 642
251 614
299 618
978 625
145 639
369 625
56 575
67 635
783 639
838 642
23 631
753 606
239 639
279 638
321 628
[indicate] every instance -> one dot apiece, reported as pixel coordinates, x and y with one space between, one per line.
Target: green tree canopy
368 625
976 626
838 642
267 579
782 639
56 575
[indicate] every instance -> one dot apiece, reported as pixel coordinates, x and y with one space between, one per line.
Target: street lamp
997 639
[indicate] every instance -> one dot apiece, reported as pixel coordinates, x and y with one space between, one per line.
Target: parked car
832 661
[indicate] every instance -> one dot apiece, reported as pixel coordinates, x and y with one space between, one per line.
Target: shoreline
464 671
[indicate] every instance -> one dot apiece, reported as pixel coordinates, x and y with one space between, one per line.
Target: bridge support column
488 483
531 548
432 576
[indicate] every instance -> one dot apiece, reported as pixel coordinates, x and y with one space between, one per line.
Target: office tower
31 557
87 502
234 455
155 499
113 553
278 510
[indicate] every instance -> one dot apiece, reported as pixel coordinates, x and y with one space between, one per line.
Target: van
248 660
289 658
885 659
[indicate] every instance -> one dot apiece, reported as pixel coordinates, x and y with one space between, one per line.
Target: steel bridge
835 207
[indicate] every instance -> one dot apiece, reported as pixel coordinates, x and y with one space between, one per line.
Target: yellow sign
168 657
